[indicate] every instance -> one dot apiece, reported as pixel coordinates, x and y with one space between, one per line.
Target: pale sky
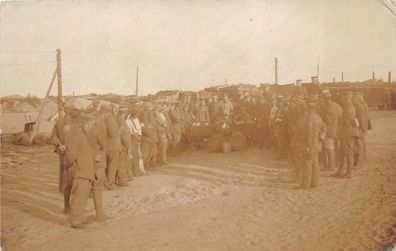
190 45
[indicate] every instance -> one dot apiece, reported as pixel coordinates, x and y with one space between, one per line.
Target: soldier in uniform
299 90
281 133
314 131
331 114
162 132
113 145
297 135
149 137
79 155
348 134
58 140
94 132
126 153
135 129
177 124
362 116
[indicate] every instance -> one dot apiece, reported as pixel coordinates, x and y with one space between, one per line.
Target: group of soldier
317 132
105 146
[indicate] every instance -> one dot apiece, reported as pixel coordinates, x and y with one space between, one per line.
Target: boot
66 199
100 215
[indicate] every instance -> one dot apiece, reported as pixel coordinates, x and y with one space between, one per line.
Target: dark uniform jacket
362 114
97 141
79 153
314 129
331 115
113 133
347 126
125 135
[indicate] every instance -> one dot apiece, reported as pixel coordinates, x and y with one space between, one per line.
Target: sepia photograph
224 125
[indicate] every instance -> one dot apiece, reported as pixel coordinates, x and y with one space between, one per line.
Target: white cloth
134 126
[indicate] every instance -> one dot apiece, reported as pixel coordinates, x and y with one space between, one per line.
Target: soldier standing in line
227 108
113 145
299 90
272 123
94 133
347 133
362 115
281 134
149 137
126 153
331 114
169 128
135 129
162 132
297 139
177 129
314 131
58 140
79 155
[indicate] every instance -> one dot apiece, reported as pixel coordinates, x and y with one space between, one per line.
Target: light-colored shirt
134 126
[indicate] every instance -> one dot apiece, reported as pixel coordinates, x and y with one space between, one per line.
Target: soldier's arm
54 138
73 148
125 139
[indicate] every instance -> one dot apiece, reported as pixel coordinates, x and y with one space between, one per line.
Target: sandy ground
205 201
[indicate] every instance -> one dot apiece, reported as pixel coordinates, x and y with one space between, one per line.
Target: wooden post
373 78
137 82
38 119
389 77
276 71
334 80
342 77
59 74
317 69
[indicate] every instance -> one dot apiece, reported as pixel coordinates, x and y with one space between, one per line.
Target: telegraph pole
342 77
59 77
137 81
276 70
389 77
317 69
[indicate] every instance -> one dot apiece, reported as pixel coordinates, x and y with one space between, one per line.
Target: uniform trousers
81 188
113 163
310 171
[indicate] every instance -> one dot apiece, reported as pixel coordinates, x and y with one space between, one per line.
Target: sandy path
238 201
